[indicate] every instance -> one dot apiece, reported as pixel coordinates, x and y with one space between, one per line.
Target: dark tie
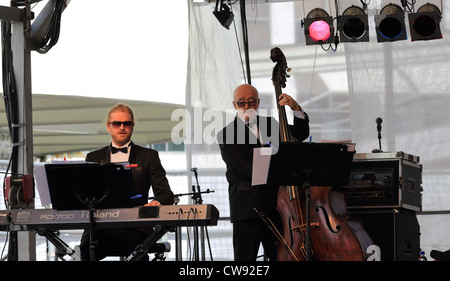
115 149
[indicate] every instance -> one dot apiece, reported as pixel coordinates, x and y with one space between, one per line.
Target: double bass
325 232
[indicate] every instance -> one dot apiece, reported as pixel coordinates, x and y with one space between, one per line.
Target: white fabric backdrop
405 83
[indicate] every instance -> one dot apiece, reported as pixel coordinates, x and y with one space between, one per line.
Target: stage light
223 14
424 25
390 24
318 26
353 25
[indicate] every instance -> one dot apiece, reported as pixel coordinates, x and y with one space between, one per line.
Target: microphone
379 121
195 174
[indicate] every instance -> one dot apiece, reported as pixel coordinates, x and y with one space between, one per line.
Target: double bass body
324 232
334 235
345 238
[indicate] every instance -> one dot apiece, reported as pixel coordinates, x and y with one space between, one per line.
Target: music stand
310 164
323 164
68 183
92 186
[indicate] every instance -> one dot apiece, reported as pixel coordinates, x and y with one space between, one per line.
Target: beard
248 115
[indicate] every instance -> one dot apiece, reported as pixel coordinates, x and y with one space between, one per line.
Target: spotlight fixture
390 24
424 25
353 25
223 14
318 26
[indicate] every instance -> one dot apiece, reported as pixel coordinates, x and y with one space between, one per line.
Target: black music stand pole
307 187
91 204
92 242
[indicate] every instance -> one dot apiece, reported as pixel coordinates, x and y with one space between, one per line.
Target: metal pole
22 72
245 36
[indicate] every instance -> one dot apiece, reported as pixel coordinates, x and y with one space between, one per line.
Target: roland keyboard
145 216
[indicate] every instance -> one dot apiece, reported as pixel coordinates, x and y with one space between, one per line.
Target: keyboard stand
142 249
62 249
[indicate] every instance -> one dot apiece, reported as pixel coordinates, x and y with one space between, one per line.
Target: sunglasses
250 103
118 124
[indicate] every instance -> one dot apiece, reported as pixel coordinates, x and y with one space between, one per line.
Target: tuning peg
288 69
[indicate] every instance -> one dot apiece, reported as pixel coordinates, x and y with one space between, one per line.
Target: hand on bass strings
285 99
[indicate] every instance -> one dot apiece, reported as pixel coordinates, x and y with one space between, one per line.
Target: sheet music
261 164
40 177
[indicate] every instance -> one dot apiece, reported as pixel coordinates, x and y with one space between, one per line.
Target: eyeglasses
118 124
250 103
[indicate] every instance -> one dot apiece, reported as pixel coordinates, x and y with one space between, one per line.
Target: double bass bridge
302 227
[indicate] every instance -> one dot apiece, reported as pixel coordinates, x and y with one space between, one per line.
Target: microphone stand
197 197
379 140
378 121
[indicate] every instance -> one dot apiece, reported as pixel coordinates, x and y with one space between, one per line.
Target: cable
2 256
247 77
188 238
312 78
408 6
10 98
52 34
239 51
245 36
11 109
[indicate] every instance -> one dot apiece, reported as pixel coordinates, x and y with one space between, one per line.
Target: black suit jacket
148 173
236 144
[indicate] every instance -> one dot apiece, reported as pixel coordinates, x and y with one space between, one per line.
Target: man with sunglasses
236 141
147 171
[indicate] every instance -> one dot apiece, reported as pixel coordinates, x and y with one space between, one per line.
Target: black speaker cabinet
395 231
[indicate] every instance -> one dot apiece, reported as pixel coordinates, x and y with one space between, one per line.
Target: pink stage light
319 31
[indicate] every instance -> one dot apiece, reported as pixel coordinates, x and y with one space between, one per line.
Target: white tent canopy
108 52
75 123
344 91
